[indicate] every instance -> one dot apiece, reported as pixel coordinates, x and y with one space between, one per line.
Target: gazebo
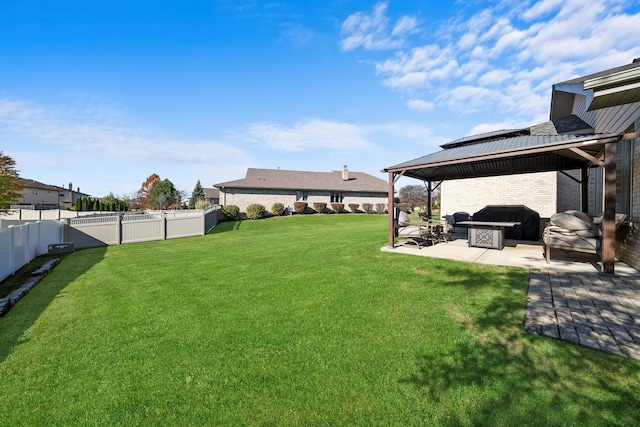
511 152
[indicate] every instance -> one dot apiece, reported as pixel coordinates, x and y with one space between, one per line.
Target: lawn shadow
225 226
508 364
25 313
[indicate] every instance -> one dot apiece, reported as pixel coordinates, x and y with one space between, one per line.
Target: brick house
269 186
557 165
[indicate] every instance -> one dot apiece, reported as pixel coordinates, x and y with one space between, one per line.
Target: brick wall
243 198
537 191
568 191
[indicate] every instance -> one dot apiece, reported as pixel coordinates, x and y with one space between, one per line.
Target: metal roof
520 154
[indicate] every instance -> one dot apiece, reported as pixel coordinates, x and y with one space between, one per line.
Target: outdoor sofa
575 231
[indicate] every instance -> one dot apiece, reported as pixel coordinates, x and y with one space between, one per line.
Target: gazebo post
584 189
609 214
429 199
391 209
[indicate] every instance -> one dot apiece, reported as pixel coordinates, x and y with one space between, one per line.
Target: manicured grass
293 321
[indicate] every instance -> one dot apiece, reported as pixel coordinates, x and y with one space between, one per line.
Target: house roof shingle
279 179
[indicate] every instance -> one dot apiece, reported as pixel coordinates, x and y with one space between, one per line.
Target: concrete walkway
568 299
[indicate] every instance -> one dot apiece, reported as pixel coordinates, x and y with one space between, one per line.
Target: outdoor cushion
403 218
579 223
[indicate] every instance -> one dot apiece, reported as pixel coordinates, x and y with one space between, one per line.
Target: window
301 196
337 197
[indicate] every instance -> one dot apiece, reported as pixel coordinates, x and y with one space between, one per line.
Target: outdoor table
487 234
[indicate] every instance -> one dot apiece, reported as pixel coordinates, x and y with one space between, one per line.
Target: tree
10 183
196 194
115 203
163 195
142 198
412 196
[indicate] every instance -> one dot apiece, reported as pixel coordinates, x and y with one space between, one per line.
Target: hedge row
257 211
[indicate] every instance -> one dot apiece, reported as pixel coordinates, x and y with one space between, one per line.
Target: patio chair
459 217
418 233
575 231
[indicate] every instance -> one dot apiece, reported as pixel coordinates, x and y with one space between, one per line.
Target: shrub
337 207
231 212
381 208
255 211
368 208
277 209
202 204
319 206
300 207
354 207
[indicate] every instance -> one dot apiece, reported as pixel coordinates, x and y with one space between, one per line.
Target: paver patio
568 299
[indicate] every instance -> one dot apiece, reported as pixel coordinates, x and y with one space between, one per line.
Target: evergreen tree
10 182
196 194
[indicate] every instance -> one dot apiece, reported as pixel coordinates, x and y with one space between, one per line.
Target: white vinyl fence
19 244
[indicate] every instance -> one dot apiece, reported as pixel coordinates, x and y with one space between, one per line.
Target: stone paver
597 311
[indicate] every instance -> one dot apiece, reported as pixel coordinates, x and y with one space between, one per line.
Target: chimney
345 173
70 187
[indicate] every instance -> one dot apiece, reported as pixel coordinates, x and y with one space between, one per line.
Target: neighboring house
557 165
212 195
269 186
36 195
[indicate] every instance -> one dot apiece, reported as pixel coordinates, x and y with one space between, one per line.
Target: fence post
39 227
119 229
26 246
204 222
163 225
12 250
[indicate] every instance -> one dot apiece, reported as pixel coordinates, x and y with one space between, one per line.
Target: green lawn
293 321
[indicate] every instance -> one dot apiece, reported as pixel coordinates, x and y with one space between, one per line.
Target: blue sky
104 93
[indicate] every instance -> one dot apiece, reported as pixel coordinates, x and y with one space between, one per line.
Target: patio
568 299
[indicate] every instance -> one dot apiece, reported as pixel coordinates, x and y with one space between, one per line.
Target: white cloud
309 134
372 31
495 77
491 127
420 105
101 136
405 25
505 58
541 8
468 99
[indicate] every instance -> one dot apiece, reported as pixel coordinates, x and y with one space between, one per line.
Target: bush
381 208
319 206
337 207
368 208
277 209
354 207
255 211
202 204
231 212
300 207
